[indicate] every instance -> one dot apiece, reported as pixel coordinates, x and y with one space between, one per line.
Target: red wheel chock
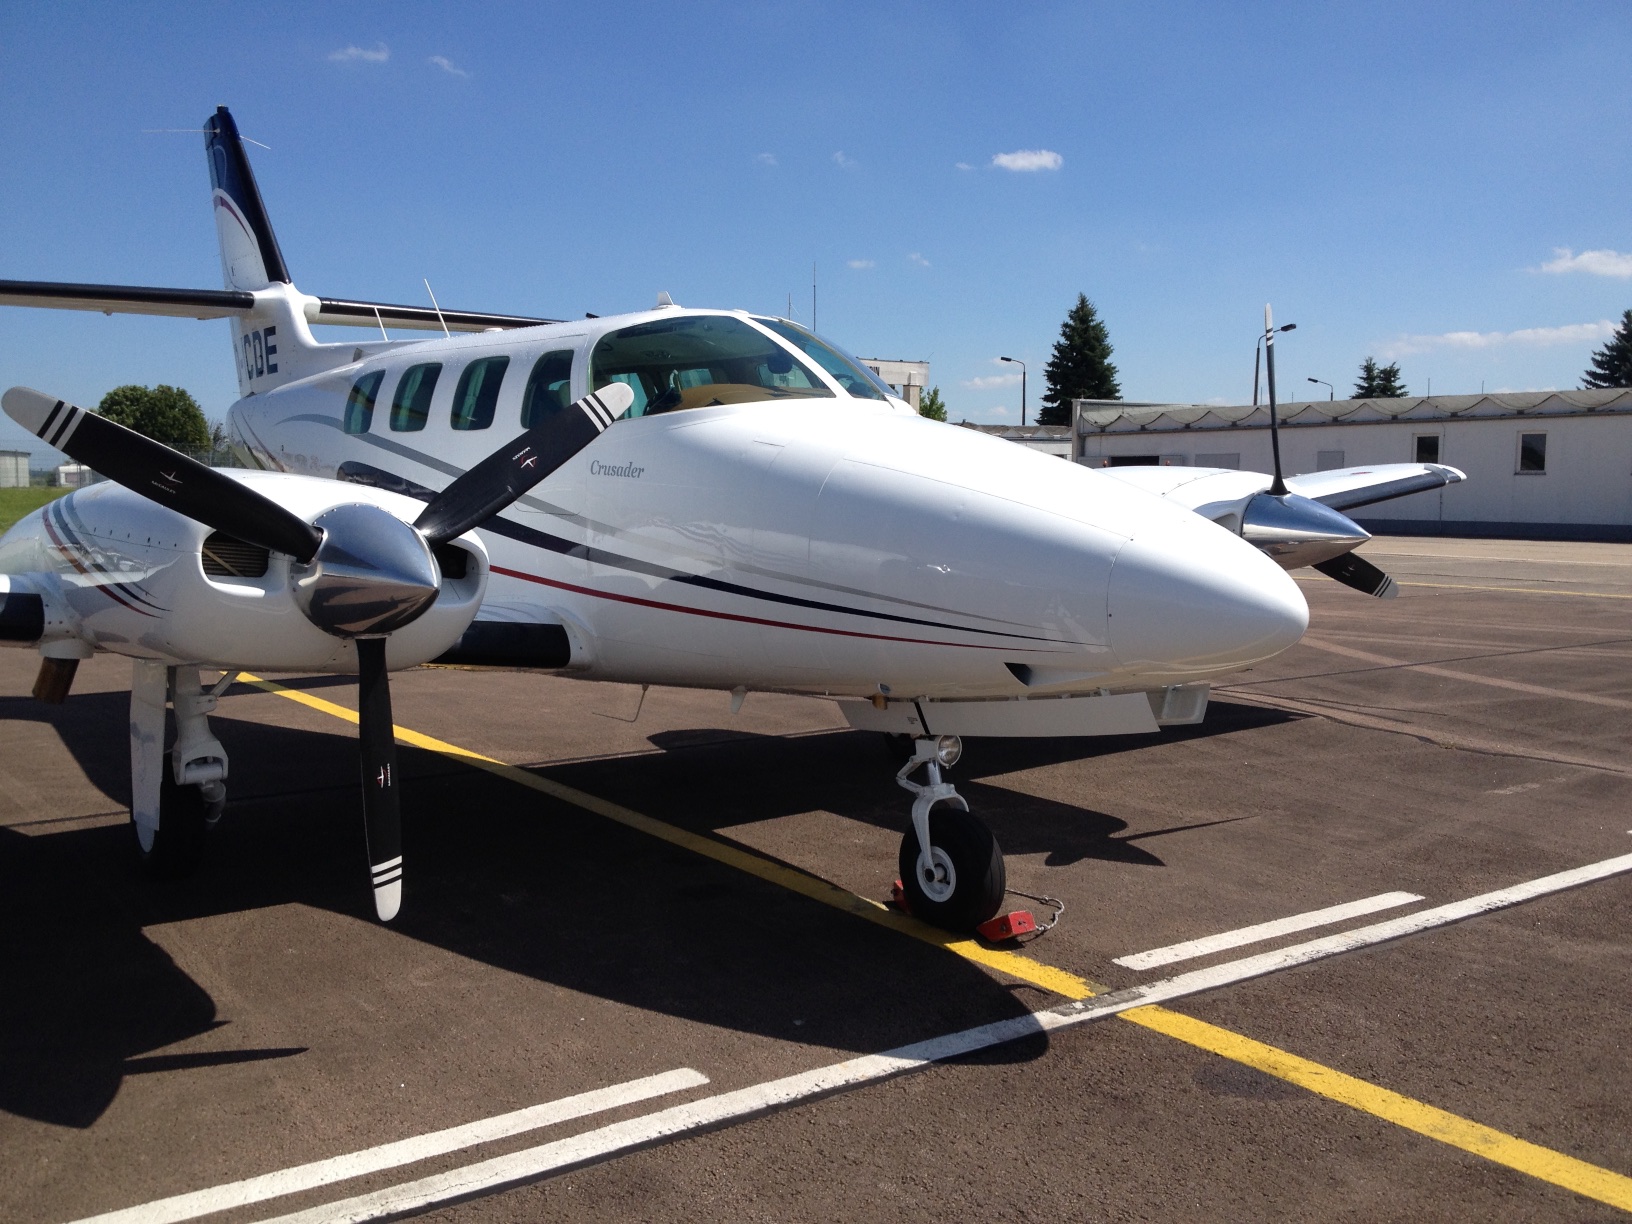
1007 926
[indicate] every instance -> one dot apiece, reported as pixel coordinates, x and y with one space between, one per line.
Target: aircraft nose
1198 600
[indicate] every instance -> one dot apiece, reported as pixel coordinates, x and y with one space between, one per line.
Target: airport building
14 469
906 378
1540 465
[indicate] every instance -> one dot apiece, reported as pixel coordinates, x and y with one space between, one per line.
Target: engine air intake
226 556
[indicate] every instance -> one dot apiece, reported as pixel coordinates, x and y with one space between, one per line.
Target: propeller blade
511 470
382 813
1360 574
161 474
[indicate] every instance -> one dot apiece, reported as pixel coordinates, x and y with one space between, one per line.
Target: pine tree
1612 364
931 405
1379 382
1081 365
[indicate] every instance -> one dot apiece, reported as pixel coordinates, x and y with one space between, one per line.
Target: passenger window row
475 398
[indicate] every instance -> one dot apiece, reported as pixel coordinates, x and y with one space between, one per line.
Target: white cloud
766 159
916 258
1028 159
1531 337
843 161
1594 263
448 66
1000 410
862 263
355 54
989 381
963 166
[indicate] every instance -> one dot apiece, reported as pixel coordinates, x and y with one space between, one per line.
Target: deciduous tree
931 405
164 413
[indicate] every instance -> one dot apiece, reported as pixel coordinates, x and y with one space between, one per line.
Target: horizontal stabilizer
237 303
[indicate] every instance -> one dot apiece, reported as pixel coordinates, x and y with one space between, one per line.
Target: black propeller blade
1360 574
161 474
358 575
511 470
382 811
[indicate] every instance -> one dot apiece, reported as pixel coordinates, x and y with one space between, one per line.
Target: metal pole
1022 394
1278 488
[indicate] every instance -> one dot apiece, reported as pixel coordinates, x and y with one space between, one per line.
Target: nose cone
1189 601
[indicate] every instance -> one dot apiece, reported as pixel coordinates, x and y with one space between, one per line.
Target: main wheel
966 879
178 843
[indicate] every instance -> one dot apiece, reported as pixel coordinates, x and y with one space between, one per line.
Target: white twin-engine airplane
705 498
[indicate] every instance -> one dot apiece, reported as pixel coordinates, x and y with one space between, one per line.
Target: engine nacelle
114 571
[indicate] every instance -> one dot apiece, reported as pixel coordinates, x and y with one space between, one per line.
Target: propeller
359 571
1278 487
1360 574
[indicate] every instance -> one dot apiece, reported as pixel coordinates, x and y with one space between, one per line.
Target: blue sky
1397 179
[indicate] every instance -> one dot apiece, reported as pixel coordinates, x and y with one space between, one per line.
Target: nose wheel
951 867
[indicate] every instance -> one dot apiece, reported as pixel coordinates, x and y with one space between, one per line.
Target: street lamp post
1022 365
1257 354
1278 488
1330 393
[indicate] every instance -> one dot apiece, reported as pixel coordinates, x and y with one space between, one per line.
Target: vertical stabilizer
250 258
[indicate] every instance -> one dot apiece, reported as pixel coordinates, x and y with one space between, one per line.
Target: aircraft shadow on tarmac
506 877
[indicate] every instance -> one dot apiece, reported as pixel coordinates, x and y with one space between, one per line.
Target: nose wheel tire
178 842
963 883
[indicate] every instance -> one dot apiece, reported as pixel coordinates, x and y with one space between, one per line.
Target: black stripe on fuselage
362 473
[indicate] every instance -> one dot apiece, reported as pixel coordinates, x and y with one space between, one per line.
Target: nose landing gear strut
951 866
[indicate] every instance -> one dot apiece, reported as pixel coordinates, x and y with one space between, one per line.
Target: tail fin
250 258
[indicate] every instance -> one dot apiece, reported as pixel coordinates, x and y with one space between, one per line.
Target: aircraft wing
1346 488
228 303
1343 489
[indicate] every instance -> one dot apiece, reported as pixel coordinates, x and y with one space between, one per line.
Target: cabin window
411 405
1532 452
549 387
1427 448
698 361
478 393
359 414
850 374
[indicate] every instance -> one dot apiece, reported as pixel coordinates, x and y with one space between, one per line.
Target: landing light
948 748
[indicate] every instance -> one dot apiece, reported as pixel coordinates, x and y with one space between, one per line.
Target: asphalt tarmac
689 891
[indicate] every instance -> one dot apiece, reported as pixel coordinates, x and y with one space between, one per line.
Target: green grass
14 503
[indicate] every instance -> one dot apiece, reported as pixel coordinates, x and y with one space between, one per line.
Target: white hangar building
1540 465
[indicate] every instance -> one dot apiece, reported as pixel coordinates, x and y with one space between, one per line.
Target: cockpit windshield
849 373
696 361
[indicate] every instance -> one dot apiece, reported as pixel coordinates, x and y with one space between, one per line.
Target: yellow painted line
1541 1163
1011 963
1544 1164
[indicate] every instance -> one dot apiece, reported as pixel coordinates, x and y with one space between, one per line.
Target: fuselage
801 532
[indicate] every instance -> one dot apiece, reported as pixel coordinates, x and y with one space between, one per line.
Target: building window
412 403
1135 461
1533 452
1328 460
1229 460
478 393
1427 448
360 403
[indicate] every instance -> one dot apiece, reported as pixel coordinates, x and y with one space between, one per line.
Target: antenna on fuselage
434 307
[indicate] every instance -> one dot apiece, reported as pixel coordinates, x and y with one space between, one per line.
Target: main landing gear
176 796
951 868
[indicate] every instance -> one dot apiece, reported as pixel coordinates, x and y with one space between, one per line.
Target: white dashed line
532 1164
405 1151
1206 946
